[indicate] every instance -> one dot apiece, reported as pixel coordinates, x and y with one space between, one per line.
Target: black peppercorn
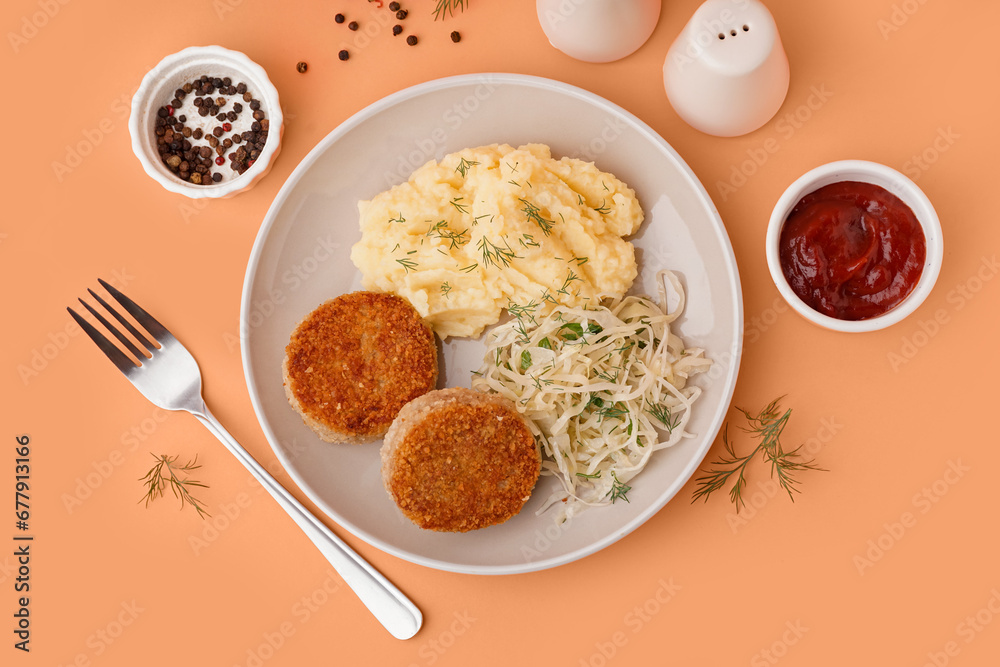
401 14
396 29
455 37
339 18
353 25
394 6
411 40
344 55
301 67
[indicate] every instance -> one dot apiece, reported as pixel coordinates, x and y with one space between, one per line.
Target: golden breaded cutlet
457 460
352 363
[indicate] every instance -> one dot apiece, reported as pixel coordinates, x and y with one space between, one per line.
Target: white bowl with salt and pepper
158 89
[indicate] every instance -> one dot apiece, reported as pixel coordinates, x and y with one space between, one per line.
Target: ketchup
852 250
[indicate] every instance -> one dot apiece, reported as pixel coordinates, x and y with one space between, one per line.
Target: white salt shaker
598 31
727 73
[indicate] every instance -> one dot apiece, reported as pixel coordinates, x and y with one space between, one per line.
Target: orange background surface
835 578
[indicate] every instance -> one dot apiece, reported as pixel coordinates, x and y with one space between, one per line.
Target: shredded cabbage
602 388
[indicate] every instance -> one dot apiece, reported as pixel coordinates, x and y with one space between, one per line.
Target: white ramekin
865 172
157 89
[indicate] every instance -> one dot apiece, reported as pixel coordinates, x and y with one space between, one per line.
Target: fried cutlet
457 460
352 363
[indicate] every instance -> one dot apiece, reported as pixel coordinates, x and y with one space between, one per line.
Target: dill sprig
495 254
618 488
461 208
448 6
520 312
463 166
407 264
441 231
603 209
534 214
665 416
166 473
767 427
570 278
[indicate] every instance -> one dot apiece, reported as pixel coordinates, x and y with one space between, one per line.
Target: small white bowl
865 172
157 90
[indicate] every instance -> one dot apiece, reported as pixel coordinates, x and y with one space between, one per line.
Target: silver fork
169 377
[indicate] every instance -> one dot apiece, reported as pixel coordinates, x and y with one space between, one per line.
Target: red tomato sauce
852 250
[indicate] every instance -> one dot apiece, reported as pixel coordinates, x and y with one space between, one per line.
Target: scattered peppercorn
396 29
353 25
302 67
455 37
339 18
411 40
394 6
344 55
401 14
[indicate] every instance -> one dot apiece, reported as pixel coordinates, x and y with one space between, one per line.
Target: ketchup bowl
853 258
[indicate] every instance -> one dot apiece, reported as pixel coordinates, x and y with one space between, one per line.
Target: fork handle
392 609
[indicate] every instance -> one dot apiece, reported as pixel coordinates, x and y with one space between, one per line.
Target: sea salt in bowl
157 90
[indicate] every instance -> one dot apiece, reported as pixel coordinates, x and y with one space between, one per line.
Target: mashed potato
491 226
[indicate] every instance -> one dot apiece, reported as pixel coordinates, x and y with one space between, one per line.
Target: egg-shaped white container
598 31
727 74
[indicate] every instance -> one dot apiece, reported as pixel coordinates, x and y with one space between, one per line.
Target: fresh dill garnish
461 208
166 473
580 200
400 219
603 209
767 426
475 220
514 168
495 254
534 214
395 249
435 226
618 489
580 261
527 240
548 297
520 311
445 289
469 268
463 166
606 188
665 416
570 277
595 475
448 6
440 230
407 264
607 375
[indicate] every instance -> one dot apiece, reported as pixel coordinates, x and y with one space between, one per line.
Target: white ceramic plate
302 257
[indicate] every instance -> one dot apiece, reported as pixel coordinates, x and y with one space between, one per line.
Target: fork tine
155 329
125 323
118 334
117 357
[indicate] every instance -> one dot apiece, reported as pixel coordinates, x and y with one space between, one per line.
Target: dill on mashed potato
494 225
